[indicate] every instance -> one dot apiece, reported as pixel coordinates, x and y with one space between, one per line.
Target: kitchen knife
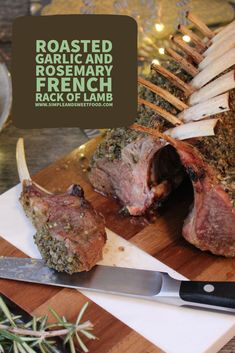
145 284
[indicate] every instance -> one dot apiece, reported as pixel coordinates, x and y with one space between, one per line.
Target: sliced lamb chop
70 233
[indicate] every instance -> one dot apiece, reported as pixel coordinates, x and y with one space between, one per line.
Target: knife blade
145 284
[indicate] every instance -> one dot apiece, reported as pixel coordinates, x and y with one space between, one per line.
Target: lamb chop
70 233
208 162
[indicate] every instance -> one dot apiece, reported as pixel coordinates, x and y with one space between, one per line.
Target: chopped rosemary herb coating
117 139
218 150
70 233
55 252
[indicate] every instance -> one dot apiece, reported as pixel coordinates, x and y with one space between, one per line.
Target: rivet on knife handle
221 294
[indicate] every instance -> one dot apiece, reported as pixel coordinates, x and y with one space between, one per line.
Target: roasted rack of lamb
70 233
144 164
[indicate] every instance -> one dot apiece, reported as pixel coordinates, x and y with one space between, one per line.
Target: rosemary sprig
36 335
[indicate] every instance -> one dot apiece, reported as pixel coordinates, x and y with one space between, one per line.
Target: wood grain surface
43 146
114 336
161 237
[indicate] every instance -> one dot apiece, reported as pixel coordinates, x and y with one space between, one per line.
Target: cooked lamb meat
209 164
70 233
211 223
133 179
128 177
123 163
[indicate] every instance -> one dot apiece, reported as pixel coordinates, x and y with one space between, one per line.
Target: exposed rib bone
223 32
182 132
163 93
200 25
222 49
22 165
153 132
187 49
162 112
208 106
202 110
187 89
189 68
219 65
225 41
228 37
194 38
220 85
21 161
228 43
194 129
212 52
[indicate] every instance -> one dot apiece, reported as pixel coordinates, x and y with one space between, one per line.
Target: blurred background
157 19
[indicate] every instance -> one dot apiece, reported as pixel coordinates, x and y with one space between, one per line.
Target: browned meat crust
70 233
210 164
211 223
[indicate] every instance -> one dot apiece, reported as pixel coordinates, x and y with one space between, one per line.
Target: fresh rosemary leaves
37 335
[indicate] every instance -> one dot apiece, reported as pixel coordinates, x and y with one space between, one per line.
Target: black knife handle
211 293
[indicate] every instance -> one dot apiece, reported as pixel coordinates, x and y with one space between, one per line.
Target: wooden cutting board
161 238
114 336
